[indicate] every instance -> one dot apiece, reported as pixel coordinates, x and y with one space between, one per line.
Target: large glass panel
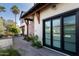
47 33
56 32
69 33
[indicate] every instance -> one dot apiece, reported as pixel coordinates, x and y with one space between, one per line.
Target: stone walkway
25 49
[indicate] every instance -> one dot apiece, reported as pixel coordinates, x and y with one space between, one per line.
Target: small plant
35 39
26 38
29 38
36 43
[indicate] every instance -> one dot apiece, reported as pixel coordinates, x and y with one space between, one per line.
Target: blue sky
9 15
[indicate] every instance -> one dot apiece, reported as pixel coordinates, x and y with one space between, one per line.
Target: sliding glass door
60 33
56 33
48 33
70 33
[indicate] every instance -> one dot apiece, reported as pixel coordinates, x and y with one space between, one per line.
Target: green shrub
9 52
29 38
13 52
36 43
35 39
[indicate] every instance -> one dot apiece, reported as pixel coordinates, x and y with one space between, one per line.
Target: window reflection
56 32
69 33
47 32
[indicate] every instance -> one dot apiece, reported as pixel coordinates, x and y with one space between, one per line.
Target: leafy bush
35 39
14 30
36 43
8 34
28 38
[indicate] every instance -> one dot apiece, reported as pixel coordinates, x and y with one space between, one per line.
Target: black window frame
62 15
50 34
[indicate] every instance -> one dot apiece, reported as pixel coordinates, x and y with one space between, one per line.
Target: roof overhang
22 26
37 7
30 19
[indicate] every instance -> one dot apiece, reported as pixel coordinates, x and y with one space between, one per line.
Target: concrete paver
25 49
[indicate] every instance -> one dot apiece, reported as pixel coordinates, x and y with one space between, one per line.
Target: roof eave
31 10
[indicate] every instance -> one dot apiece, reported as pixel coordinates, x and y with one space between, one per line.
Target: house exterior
57 25
23 27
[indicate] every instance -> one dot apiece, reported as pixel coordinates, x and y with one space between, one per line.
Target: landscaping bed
9 52
6 47
34 39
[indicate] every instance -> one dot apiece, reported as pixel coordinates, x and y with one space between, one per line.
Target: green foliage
15 9
29 38
2 26
2 8
7 27
8 34
9 52
35 42
13 29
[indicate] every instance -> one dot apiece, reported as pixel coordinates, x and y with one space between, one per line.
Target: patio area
25 49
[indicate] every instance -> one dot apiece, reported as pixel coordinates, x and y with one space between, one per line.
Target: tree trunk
15 20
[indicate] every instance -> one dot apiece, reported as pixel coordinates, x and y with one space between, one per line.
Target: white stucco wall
60 8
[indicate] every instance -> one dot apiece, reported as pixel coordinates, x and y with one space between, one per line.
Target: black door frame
52 32
62 15
44 33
